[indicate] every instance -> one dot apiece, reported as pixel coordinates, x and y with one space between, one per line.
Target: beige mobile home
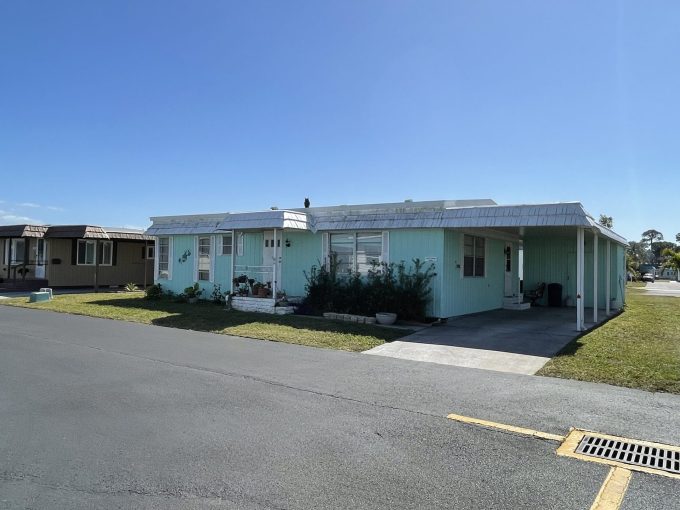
34 256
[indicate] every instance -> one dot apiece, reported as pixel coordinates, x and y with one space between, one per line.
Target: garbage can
555 294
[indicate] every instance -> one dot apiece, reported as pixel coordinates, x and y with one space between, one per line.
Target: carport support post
579 279
608 290
596 242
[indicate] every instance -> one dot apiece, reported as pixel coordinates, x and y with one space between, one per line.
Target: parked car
648 277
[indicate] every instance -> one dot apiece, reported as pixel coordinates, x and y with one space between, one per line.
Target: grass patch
205 316
638 349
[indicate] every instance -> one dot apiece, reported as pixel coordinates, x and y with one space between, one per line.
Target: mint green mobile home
475 246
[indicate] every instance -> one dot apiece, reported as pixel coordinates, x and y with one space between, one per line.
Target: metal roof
266 219
177 225
434 214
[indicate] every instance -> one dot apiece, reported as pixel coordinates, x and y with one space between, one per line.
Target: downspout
96 264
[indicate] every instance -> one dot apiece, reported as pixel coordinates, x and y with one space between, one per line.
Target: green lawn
209 317
639 348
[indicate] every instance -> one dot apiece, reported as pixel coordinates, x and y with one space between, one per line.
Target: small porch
23 257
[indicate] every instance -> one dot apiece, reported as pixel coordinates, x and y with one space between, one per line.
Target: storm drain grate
630 453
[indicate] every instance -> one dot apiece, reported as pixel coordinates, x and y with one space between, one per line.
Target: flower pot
262 292
386 318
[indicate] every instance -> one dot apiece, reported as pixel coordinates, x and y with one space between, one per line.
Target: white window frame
14 242
474 256
163 274
86 243
102 262
384 249
231 245
210 257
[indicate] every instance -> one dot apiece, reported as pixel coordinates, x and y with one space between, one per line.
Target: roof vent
274 208
408 200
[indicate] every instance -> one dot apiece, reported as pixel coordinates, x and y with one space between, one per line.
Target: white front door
271 254
508 270
39 256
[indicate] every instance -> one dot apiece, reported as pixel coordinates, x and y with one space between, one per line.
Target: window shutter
155 259
114 253
239 248
212 259
171 256
386 246
325 240
195 258
74 252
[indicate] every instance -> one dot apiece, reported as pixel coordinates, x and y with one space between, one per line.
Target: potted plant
386 318
242 290
193 293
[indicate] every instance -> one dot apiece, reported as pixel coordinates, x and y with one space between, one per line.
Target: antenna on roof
307 203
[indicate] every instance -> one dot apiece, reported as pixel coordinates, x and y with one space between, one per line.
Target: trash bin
555 294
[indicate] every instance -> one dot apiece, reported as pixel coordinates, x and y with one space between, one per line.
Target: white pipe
579 279
608 290
274 275
596 242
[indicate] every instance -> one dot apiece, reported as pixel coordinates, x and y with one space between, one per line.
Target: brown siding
129 266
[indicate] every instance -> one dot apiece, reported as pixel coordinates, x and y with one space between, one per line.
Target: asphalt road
104 414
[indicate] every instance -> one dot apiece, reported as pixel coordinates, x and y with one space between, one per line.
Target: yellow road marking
573 439
508 428
613 490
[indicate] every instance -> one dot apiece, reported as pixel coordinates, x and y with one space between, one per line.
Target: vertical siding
472 294
552 259
405 245
303 253
253 244
183 272
129 266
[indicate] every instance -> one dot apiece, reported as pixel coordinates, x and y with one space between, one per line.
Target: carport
562 244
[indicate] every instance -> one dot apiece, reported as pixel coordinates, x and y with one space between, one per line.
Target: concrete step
516 306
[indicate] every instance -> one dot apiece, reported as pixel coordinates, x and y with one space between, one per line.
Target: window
163 257
473 255
150 252
204 259
106 252
356 252
369 250
342 247
227 244
85 253
18 251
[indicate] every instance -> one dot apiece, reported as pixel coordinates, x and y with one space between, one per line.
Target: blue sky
111 112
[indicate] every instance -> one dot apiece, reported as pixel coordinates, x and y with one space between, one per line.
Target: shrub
217 296
154 291
131 287
385 288
194 291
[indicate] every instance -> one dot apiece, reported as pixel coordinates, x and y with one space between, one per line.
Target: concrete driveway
512 341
